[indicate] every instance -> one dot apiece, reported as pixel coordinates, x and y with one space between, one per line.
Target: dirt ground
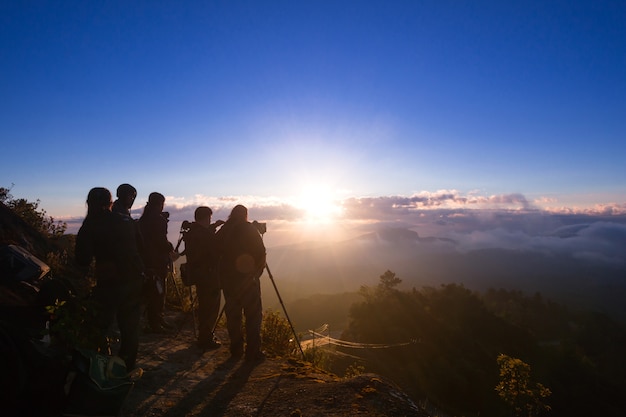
181 380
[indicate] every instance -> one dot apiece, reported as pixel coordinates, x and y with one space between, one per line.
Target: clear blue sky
262 101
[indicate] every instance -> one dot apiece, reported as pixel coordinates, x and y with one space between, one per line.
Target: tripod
193 299
262 228
280 299
172 276
295 335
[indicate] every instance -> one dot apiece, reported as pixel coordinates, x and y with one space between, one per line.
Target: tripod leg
192 303
192 306
218 318
295 335
172 279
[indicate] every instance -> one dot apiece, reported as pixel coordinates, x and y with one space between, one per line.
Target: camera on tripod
260 227
185 226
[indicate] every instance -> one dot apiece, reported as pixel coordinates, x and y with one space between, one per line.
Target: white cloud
507 221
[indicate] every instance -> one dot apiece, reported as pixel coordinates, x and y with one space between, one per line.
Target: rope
325 339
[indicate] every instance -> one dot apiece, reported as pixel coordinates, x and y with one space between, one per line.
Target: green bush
319 357
278 339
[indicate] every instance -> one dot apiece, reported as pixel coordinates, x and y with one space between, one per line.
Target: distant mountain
330 268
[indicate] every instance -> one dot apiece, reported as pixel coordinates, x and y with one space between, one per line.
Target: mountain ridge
336 267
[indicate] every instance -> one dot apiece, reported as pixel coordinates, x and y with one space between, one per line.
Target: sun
319 204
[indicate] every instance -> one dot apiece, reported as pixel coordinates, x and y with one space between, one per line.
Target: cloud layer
472 221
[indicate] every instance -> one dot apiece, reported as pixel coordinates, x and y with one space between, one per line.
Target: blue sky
286 105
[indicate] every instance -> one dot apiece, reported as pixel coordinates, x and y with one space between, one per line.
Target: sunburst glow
319 204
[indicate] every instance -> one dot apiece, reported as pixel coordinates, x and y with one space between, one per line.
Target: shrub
276 334
319 357
34 216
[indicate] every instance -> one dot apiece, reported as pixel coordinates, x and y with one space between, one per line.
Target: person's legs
160 301
208 310
128 319
234 316
204 328
214 298
253 311
105 301
155 303
213 310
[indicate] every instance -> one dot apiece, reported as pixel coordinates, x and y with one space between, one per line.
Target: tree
388 281
32 215
516 389
386 286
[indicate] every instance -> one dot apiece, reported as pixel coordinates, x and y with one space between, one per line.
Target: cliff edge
182 380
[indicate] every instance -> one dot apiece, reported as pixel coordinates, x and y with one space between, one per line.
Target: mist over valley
578 261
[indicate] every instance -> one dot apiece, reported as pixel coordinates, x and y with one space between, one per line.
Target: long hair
99 200
238 214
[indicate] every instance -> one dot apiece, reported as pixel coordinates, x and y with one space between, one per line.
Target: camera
260 227
185 226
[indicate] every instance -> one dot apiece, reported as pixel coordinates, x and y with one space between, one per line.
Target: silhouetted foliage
526 398
459 334
22 223
276 334
388 281
33 215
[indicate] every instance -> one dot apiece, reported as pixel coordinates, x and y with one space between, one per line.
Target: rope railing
322 339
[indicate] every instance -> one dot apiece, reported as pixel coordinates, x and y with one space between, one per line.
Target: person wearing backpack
200 251
242 260
158 253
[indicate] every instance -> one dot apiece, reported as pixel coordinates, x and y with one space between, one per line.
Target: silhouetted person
202 260
126 195
242 260
109 238
157 253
